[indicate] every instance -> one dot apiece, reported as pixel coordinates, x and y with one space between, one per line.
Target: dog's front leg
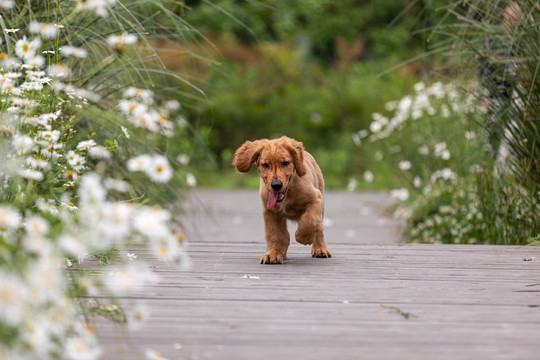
310 230
277 238
310 223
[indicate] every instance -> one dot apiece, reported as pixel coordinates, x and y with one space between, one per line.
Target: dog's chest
292 211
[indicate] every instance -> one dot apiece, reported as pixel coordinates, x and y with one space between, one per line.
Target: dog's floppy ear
296 148
246 155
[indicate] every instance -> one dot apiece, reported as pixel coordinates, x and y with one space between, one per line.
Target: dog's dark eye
285 163
265 166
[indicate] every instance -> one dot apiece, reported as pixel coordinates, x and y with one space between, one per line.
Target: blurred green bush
307 69
382 29
283 94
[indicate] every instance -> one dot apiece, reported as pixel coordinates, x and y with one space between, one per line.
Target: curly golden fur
291 188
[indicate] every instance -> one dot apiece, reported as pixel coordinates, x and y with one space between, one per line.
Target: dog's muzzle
275 197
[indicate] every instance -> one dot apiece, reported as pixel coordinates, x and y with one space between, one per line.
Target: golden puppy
292 187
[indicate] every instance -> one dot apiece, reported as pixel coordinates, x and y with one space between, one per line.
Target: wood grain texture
371 300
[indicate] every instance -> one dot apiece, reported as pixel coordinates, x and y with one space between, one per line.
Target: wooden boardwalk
374 299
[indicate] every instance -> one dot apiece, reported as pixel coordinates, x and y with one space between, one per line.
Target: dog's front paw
271 258
321 252
304 236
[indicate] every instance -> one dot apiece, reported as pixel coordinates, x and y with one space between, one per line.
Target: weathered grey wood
369 301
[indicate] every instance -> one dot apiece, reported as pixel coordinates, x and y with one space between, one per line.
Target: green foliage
282 94
86 152
511 209
473 210
535 240
448 193
379 29
500 40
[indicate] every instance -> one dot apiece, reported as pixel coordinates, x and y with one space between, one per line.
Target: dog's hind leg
286 243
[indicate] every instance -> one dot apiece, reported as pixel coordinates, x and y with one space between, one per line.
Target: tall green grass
96 148
498 201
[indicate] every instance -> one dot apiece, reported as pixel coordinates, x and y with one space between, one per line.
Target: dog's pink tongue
272 198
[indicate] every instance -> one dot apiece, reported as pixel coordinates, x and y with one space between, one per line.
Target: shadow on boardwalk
374 299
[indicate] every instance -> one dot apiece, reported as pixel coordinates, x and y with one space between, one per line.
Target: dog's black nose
276 185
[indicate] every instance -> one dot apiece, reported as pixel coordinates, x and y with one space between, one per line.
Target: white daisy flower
159 169
74 51
12 295
91 192
445 155
116 184
26 49
146 120
36 225
85 145
46 30
98 6
368 176
77 348
172 105
51 136
75 160
99 152
400 194
137 317
36 61
36 334
151 222
375 126
58 70
439 148
147 96
125 131
7 4
404 165
65 263
86 331
31 174
131 107
87 284
46 279
22 143
153 355
50 151
167 249
9 218
123 39
35 243
183 159
72 245
419 86
423 150
352 184
127 280
70 206
139 163
191 180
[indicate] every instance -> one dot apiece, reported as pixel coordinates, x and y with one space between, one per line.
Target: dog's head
277 161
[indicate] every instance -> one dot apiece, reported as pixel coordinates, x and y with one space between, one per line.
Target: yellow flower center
163 251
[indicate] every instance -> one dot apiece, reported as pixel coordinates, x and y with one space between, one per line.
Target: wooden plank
384 301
